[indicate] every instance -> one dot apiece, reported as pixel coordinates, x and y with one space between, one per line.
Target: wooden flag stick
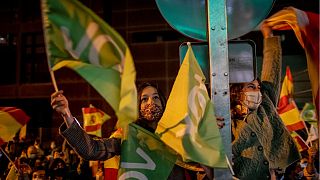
9 158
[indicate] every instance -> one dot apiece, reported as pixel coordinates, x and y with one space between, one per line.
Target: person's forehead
255 82
149 90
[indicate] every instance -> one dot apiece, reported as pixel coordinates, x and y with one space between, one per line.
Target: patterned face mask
151 112
252 99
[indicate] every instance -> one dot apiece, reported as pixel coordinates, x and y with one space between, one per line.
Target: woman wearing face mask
261 143
151 104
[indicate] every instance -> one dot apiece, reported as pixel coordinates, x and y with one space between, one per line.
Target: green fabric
188 124
145 156
308 114
77 38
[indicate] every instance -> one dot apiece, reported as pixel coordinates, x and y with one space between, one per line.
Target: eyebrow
144 95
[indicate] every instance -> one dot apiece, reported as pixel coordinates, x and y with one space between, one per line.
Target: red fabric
110 174
92 128
20 116
296 126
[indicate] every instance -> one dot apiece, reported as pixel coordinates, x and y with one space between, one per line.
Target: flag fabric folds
145 156
306 27
11 120
301 144
287 108
93 118
188 124
77 38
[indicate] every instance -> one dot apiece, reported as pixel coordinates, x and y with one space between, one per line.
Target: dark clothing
87 147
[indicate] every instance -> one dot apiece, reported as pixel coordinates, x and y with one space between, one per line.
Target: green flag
308 114
144 156
77 38
188 124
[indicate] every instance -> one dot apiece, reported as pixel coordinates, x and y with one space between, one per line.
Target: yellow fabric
188 124
298 20
113 162
290 117
8 126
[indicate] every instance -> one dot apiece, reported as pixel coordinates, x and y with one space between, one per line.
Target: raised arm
272 61
86 146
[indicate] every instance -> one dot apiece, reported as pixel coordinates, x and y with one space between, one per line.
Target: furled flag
301 144
287 108
11 120
188 124
77 38
145 156
306 27
93 118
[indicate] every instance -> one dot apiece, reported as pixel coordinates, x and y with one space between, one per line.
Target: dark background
25 80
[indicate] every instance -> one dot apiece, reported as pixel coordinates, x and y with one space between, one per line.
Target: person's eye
156 97
250 86
144 99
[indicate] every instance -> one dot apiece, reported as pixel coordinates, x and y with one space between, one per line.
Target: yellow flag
188 124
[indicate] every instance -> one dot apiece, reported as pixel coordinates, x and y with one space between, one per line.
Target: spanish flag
93 118
11 120
287 108
306 27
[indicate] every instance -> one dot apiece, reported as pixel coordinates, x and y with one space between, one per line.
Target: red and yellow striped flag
287 108
11 120
93 118
306 27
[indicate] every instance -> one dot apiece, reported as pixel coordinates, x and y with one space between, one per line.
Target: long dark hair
141 121
161 95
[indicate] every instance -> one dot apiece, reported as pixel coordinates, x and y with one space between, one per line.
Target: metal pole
219 71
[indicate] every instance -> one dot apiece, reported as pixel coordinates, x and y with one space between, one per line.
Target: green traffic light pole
219 74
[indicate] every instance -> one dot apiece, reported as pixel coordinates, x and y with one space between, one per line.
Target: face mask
151 112
252 99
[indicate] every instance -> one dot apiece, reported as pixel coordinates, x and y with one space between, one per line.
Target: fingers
266 30
59 101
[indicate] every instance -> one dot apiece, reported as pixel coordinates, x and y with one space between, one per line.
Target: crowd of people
31 159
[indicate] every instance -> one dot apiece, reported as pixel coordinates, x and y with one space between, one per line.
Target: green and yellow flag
308 114
77 38
145 156
188 124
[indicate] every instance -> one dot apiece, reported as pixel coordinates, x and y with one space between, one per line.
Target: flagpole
53 79
9 158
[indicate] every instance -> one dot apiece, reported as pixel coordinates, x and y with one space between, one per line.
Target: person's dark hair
235 90
161 95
